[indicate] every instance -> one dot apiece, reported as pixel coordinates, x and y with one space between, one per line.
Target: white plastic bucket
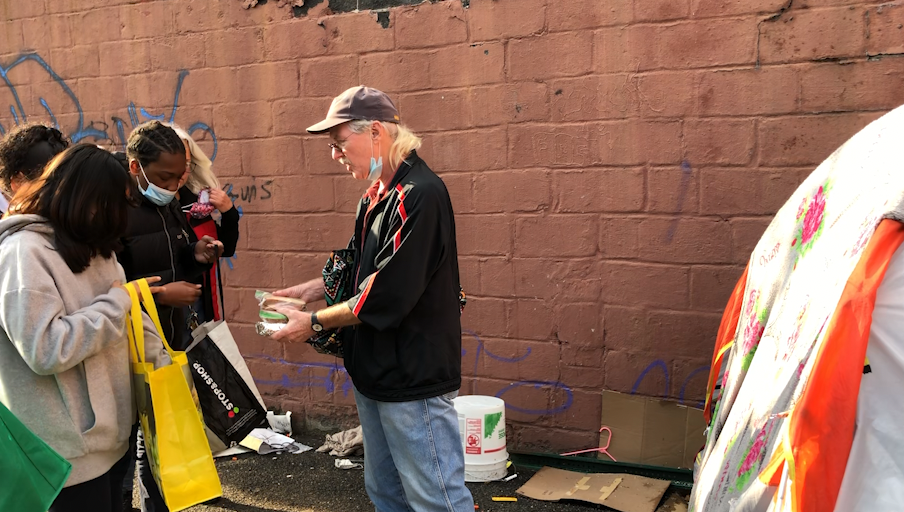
481 421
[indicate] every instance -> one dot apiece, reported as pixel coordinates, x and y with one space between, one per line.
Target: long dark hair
85 195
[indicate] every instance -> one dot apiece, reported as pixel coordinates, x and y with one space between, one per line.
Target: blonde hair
202 175
404 141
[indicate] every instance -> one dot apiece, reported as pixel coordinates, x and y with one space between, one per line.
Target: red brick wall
612 163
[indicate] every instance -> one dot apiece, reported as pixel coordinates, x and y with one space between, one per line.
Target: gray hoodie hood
15 223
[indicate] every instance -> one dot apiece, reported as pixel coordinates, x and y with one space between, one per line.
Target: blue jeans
413 458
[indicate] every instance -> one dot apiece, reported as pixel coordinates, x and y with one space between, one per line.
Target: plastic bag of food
271 321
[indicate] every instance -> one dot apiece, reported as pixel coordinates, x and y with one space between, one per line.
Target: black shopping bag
232 409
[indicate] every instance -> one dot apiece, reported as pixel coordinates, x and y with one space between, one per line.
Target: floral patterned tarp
795 277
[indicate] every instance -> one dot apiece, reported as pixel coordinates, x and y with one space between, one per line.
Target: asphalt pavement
309 482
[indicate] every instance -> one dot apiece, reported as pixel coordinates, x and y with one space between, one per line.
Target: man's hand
220 200
297 330
310 291
207 250
176 294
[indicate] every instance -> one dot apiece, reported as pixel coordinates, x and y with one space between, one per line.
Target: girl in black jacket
160 242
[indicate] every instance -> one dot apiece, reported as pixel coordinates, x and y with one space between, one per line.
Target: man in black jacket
404 352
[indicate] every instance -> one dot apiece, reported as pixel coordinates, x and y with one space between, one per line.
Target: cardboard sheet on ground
626 493
651 430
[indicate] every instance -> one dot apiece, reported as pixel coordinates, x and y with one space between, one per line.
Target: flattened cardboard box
626 493
651 430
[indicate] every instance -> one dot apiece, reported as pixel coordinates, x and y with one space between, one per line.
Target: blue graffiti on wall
91 130
326 382
337 379
136 115
301 377
531 384
660 364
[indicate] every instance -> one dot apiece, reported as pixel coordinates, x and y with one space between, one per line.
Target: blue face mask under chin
376 169
157 195
376 166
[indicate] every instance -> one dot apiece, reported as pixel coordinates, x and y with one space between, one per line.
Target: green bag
33 473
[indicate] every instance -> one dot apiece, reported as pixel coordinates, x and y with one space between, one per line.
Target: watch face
317 327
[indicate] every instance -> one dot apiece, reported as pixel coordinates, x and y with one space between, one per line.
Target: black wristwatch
315 324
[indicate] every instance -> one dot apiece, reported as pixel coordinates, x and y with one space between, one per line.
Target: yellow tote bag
170 416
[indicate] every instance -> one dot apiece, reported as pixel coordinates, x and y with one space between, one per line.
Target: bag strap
220 290
135 327
151 308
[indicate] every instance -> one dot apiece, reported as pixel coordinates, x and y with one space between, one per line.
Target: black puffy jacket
160 242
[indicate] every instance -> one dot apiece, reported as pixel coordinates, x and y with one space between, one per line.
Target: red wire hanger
601 449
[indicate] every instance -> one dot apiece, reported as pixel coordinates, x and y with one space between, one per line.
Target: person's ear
16 182
187 153
376 129
134 168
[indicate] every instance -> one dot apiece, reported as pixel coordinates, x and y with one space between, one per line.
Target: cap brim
326 124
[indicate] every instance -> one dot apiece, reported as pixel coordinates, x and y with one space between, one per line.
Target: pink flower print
751 302
813 217
755 453
753 331
803 204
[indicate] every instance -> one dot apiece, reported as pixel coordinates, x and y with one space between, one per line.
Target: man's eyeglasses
339 145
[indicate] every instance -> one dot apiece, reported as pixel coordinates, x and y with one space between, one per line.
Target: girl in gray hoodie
64 355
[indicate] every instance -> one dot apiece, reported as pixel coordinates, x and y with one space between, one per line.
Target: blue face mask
376 166
157 195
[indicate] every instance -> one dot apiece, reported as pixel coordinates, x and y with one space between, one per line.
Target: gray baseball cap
358 103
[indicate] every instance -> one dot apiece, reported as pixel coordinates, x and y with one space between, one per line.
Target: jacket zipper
169 244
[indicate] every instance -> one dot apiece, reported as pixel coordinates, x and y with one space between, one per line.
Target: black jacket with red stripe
408 346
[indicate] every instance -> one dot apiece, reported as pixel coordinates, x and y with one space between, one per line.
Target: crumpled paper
345 443
265 441
347 464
